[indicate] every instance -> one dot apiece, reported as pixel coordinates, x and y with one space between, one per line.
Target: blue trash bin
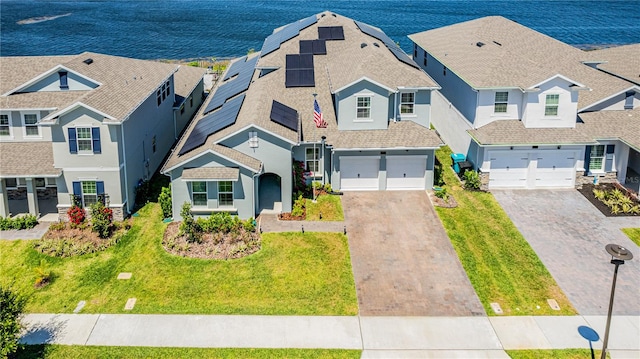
457 158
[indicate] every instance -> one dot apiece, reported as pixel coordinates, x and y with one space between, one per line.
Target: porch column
4 200
32 197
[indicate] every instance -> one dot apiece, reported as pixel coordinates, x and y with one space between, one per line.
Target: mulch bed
439 202
65 240
587 192
287 216
212 245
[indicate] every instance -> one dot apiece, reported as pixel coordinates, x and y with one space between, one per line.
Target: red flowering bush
76 215
101 219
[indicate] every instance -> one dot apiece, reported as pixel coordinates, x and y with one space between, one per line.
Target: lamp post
619 254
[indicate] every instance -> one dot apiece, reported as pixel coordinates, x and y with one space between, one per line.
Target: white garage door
508 170
406 172
556 169
359 173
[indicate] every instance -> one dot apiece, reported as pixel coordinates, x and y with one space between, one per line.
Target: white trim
425 156
30 109
55 69
258 128
9 124
72 107
24 125
359 157
364 78
557 76
210 180
232 205
634 88
93 169
385 149
210 151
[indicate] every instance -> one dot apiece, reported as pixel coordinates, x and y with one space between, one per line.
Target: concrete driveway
569 235
403 261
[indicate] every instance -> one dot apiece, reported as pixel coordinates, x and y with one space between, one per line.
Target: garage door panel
555 169
406 173
508 171
359 173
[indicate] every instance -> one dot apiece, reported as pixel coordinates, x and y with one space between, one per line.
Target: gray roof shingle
21 159
513 132
623 61
623 125
211 173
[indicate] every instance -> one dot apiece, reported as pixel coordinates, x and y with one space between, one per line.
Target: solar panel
284 115
299 71
306 46
391 45
212 123
273 41
235 68
234 86
319 47
330 33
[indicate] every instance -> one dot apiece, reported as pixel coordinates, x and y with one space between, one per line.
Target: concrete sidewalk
378 337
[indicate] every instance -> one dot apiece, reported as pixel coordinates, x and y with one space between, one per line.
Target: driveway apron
403 261
569 235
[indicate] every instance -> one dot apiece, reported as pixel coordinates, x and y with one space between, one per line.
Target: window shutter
587 158
73 143
99 187
608 164
77 188
95 135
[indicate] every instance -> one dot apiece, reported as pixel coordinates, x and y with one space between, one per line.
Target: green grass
293 274
501 265
329 205
97 352
554 354
633 234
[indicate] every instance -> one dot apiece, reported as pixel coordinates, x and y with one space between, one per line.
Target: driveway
569 235
403 261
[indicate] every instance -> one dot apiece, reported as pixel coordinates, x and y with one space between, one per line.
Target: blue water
225 28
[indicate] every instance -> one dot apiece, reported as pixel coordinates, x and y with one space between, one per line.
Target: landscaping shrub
438 179
472 180
299 207
76 215
299 182
327 188
43 274
189 227
442 193
11 308
224 223
101 219
617 201
143 189
165 202
22 222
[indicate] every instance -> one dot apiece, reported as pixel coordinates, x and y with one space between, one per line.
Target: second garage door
508 170
406 172
556 169
359 173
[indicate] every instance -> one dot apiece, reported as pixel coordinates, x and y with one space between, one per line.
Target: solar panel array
234 86
330 33
392 46
212 123
235 68
315 47
273 41
299 71
284 115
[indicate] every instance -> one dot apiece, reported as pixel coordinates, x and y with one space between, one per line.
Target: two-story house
369 130
88 127
511 99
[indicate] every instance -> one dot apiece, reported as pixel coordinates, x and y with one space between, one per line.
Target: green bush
223 222
11 308
617 201
189 227
327 188
299 207
442 193
471 180
26 221
165 202
101 219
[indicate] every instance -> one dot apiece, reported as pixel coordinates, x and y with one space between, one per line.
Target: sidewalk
378 337
269 222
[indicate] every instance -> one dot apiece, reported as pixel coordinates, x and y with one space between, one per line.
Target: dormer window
64 80
551 105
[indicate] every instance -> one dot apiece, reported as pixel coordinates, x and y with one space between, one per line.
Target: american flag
317 115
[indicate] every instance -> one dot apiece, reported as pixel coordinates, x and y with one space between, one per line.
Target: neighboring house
513 98
88 127
238 155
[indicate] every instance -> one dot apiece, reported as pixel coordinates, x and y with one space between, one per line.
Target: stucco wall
450 124
17 130
486 107
346 107
534 114
52 83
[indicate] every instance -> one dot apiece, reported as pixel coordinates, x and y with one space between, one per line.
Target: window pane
552 99
199 199
83 132
4 119
551 110
84 145
40 182
32 131
407 97
199 186
89 199
4 131
225 186
500 108
595 164
30 119
363 113
89 188
364 101
11 182
502 96
225 199
406 108
597 151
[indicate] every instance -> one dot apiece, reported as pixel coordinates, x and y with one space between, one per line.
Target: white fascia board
364 78
558 76
257 128
209 151
632 88
73 107
47 73
386 149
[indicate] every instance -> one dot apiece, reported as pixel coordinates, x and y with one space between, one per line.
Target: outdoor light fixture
619 254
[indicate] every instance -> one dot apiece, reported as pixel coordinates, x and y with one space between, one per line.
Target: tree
11 308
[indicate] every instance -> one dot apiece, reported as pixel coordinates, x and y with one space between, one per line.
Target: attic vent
479 44
363 45
323 15
334 15
376 44
88 61
497 43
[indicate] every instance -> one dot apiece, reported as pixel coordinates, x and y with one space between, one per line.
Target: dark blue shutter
100 187
95 135
77 188
608 164
587 158
73 144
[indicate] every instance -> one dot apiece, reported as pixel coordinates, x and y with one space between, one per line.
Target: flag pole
314 151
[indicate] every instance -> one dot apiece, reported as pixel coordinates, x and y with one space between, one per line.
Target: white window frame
8 125
500 102
314 159
226 192
593 155
86 194
548 106
253 139
84 140
194 193
365 108
24 124
411 103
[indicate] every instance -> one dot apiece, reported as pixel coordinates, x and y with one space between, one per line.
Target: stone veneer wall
484 180
118 213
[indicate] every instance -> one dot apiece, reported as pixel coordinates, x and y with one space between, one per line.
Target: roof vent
363 45
376 44
497 43
323 15
88 61
479 44
334 15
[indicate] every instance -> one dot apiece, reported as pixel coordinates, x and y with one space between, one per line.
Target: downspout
253 199
126 180
175 126
395 107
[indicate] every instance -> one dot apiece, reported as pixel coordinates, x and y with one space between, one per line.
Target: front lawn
293 274
554 354
98 352
501 265
329 206
633 234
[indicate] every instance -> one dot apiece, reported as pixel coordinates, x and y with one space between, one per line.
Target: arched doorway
269 193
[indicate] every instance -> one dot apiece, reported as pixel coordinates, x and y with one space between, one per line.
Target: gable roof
623 61
124 83
606 125
345 62
494 52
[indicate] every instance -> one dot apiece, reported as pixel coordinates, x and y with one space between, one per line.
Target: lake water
182 29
